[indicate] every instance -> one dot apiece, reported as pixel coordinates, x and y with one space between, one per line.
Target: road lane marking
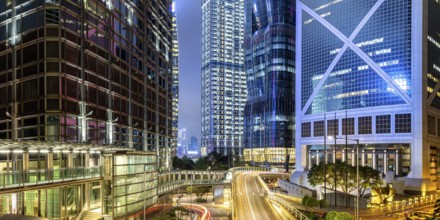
247 195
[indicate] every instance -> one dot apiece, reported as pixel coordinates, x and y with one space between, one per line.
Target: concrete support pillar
374 160
363 158
385 162
353 158
397 163
343 156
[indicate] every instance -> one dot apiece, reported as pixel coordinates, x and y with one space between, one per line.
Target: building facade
175 78
223 77
193 147
372 78
182 143
269 122
78 77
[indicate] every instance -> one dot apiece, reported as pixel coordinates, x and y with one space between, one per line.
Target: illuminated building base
276 155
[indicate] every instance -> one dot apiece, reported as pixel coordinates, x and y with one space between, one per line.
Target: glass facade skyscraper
366 70
175 78
85 93
223 77
270 73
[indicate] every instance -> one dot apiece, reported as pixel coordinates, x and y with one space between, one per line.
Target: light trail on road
253 205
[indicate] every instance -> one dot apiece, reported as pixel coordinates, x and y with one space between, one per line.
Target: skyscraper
193 147
182 143
270 71
85 93
223 77
369 71
175 80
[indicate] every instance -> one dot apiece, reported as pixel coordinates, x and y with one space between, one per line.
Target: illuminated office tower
369 71
175 81
223 76
85 105
270 71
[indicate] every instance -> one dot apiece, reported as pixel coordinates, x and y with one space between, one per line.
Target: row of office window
383 125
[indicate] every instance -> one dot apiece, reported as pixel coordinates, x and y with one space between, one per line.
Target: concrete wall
295 190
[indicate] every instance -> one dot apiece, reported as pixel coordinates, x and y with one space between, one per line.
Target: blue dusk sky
189 21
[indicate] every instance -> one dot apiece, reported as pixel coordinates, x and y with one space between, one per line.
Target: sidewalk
385 212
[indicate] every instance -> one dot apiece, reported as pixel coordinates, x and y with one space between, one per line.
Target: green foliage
345 178
323 204
212 161
333 215
368 177
201 164
184 163
201 200
309 202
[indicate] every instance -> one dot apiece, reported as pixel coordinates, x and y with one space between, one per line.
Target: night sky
189 21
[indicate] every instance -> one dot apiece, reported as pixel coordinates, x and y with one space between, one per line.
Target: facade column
317 157
25 159
385 162
363 158
374 160
343 156
310 159
70 159
353 158
49 160
87 185
397 163
334 155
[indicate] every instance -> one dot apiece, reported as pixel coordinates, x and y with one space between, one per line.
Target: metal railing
14 179
289 207
179 183
249 169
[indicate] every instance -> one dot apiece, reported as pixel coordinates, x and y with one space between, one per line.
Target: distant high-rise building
85 102
193 147
182 143
175 80
223 76
270 71
369 71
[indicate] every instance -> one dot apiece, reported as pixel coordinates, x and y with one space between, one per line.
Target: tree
333 215
309 202
323 204
184 164
201 164
368 177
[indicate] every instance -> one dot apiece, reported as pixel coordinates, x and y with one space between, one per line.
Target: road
249 199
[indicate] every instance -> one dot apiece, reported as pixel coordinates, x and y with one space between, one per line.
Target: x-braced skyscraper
369 71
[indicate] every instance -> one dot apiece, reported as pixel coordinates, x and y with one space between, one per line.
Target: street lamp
357 171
